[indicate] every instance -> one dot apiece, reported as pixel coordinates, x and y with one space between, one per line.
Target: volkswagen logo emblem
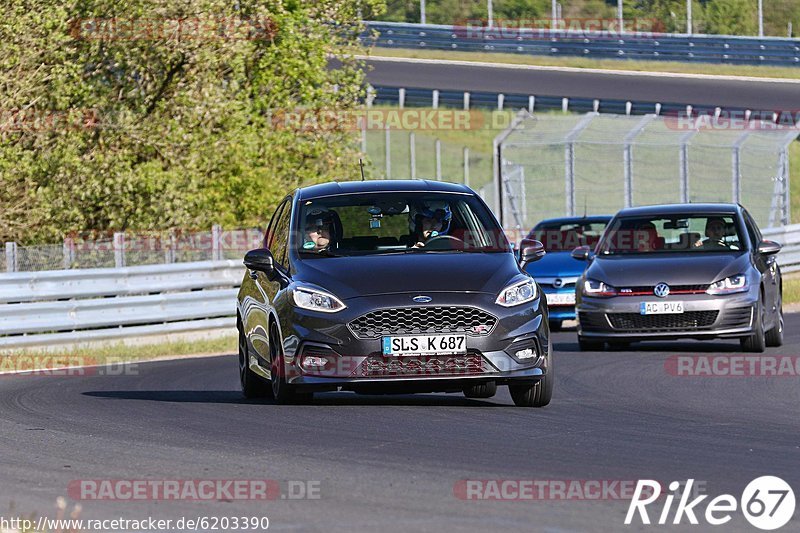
661 290
558 282
422 299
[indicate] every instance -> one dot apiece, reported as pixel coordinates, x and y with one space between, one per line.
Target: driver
715 233
431 221
319 231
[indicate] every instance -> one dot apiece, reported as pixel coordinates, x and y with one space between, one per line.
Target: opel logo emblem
558 282
661 290
422 299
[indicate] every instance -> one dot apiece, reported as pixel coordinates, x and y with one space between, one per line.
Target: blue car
557 272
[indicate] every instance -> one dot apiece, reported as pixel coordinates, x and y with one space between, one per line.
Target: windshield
696 233
397 222
565 236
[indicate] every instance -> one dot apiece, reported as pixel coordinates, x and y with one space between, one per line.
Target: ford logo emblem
422 299
661 290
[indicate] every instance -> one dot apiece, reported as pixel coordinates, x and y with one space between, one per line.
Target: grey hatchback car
675 271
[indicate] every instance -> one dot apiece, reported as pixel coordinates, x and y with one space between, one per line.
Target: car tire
483 390
556 325
756 342
282 392
253 386
774 337
587 345
536 394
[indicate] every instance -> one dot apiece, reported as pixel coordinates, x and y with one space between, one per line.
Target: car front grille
639 290
654 323
378 366
423 321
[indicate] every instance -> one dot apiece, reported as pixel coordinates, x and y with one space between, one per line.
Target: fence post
363 121
412 151
466 101
501 99
466 166
435 99
216 242
438 146
388 153
370 96
736 167
569 161
684 165
401 97
627 156
69 252
11 257
169 250
119 249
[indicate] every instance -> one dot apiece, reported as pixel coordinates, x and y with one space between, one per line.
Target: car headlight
518 293
593 287
316 300
732 284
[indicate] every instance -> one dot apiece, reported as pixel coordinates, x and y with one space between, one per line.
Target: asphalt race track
679 89
390 463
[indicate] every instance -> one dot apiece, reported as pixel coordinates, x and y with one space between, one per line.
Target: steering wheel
443 242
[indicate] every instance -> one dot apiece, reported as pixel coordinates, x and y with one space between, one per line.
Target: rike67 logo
767 502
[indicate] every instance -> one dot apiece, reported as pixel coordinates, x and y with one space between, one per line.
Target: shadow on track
659 346
320 399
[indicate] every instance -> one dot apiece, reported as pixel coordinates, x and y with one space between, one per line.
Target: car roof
679 209
568 220
357 187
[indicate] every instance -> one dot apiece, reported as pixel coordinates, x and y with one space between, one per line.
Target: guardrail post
388 153
119 249
412 152
438 146
466 166
11 257
216 242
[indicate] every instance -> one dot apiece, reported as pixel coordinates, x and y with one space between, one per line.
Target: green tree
175 129
731 17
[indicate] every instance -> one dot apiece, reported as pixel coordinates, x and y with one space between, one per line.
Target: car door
261 290
766 264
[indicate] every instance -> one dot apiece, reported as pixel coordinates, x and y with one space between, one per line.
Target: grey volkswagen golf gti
391 287
674 271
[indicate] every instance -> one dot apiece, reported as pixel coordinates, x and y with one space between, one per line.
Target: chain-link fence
563 165
130 249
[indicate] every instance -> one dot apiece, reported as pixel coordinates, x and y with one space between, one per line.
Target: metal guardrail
596 45
789 237
73 306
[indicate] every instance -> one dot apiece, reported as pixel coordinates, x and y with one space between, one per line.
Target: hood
673 269
556 264
350 277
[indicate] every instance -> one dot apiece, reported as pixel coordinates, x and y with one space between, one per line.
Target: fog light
314 362
527 353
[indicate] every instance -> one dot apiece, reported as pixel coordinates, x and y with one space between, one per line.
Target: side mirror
768 247
260 260
530 251
582 253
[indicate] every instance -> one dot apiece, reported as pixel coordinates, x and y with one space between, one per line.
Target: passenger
647 239
319 231
429 222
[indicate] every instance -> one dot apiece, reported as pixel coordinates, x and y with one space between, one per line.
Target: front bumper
354 361
704 317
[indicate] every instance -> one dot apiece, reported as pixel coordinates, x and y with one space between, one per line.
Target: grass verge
33 358
604 64
791 289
